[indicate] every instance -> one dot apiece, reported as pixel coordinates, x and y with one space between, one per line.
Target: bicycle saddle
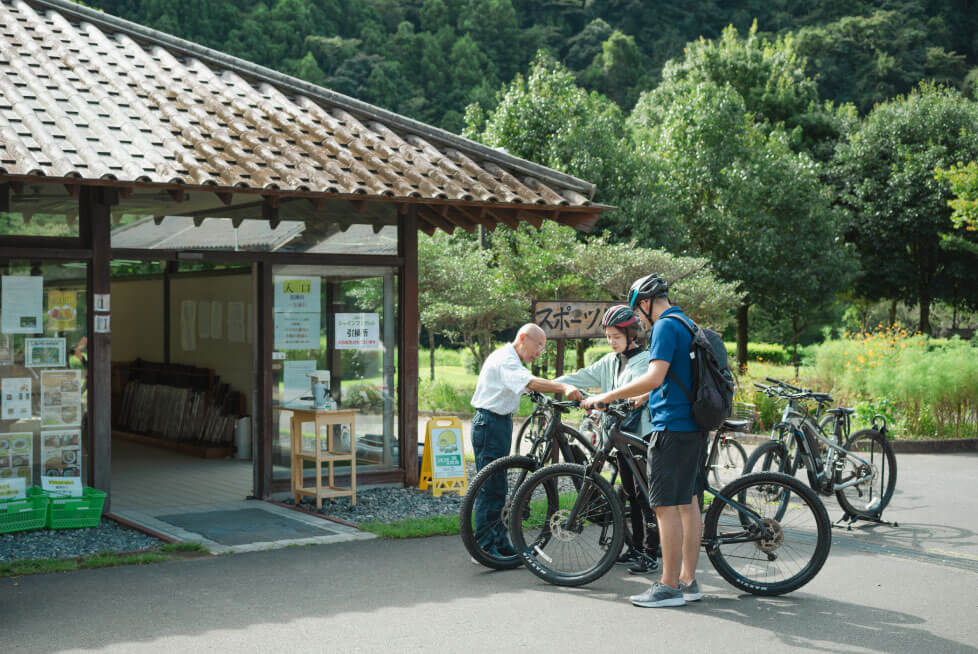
735 425
841 411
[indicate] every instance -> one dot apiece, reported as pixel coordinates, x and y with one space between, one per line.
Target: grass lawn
168 552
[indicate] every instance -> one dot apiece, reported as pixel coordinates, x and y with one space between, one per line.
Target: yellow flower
860 359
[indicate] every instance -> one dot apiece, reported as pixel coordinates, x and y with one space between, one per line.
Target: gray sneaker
659 595
691 593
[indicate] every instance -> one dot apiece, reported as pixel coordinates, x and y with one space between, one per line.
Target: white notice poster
297 331
204 319
17 455
16 398
44 352
188 325
357 331
61 453
236 322
296 382
23 304
217 324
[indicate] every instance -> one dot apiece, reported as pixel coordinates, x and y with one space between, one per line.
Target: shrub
443 396
764 352
366 397
592 354
468 361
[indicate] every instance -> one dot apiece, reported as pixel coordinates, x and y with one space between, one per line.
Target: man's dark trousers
492 437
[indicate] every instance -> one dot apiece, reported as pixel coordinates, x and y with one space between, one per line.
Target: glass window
340 319
43 370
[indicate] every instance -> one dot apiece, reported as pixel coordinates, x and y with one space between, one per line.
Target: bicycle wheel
772 456
529 439
727 462
867 498
789 555
516 469
552 547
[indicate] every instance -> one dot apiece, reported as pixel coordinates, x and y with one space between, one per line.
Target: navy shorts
675 467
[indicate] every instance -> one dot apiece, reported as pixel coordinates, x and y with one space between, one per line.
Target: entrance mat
244 526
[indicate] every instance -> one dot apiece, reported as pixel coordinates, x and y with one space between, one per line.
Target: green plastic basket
76 512
21 515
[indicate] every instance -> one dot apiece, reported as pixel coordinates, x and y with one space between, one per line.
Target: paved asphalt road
907 589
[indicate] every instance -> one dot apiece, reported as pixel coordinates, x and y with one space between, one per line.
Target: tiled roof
89 96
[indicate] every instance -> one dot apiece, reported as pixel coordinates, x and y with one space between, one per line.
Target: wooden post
407 369
266 429
94 207
559 364
169 268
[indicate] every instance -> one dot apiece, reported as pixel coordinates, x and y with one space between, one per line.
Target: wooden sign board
570 318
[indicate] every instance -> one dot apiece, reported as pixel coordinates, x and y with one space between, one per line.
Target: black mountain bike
861 472
765 533
542 439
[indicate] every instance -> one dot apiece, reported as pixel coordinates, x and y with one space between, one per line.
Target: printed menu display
61 453
23 301
17 455
61 403
15 393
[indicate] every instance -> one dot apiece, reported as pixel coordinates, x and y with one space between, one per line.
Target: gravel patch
389 504
109 536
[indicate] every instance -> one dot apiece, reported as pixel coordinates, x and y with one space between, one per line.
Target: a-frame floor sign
443 463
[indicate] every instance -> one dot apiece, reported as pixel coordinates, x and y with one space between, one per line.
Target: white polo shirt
501 381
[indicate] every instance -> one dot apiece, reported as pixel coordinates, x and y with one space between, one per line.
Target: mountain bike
861 473
543 438
765 533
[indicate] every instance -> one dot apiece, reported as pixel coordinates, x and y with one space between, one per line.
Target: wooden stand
323 419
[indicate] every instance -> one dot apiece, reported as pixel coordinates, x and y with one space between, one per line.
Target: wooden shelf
327 420
325 456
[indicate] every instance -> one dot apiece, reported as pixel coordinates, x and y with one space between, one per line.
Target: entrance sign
297 294
443 465
357 331
297 313
570 318
23 302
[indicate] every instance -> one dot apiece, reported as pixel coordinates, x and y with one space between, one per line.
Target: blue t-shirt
669 405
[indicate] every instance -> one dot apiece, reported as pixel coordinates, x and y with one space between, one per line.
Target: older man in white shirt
497 397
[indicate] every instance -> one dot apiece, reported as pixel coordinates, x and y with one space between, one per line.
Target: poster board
443 463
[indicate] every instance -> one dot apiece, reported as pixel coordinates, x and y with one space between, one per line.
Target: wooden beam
125 192
504 216
5 196
317 203
264 345
530 217
73 190
178 194
424 211
477 217
457 217
269 210
407 352
225 197
359 205
426 227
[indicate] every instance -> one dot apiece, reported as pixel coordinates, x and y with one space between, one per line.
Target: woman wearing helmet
627 361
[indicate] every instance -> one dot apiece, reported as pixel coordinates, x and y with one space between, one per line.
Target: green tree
756 209
898 209
963 180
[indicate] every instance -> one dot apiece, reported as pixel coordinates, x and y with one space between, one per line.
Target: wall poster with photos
61 400
61 453
17 455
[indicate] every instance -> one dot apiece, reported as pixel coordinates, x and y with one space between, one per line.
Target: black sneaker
628 557
644 564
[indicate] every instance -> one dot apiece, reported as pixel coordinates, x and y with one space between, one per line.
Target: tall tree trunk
582 345
893 305
742 337
794 343
925 300
431 352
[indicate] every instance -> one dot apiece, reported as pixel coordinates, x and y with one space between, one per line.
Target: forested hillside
429 59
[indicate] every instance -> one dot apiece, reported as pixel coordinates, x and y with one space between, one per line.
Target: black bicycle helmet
650 286
619 316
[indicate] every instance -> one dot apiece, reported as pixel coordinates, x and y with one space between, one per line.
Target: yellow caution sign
443 464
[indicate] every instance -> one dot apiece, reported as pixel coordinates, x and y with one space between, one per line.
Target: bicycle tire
854 500
804 532
522 467
529 435
558 553
727 462
771 456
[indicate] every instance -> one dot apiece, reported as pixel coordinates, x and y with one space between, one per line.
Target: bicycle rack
879 424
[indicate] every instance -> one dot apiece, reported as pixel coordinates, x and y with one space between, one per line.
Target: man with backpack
677 447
